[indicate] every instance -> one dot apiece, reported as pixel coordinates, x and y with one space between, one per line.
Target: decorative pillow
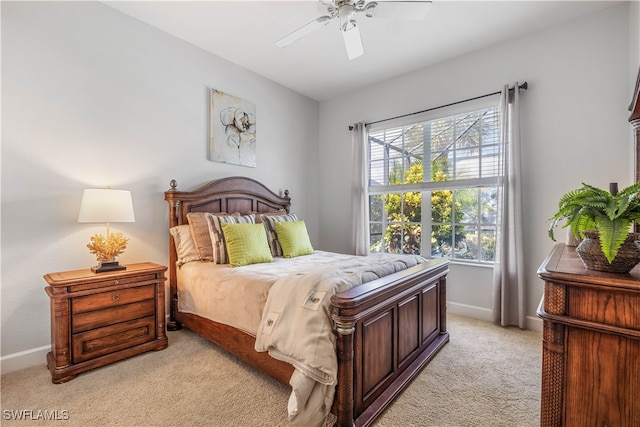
293 238
246 244
200 235
216 234
185 246
269 227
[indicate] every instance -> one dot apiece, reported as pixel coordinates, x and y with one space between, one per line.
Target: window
440 174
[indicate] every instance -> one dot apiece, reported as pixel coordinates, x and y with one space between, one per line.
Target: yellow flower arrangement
106 249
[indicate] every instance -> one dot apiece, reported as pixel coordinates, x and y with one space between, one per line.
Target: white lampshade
106 205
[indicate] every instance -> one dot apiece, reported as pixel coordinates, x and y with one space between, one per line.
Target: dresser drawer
112 315
109 339
112 299
113 282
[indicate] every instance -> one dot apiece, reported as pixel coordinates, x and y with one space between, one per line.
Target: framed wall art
233 130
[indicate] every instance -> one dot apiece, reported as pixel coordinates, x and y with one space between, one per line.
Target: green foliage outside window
403 232
404 214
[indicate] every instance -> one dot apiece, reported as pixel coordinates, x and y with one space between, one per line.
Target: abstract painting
233 130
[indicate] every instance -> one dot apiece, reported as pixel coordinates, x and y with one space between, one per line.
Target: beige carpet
485 376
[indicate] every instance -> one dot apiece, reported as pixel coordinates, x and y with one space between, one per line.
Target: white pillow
186 250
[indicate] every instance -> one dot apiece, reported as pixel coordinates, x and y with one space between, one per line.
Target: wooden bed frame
387 329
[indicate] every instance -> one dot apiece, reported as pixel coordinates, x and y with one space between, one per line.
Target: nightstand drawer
112 299
98 342
109 316
113 282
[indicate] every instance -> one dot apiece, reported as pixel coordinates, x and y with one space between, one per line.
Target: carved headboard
232 194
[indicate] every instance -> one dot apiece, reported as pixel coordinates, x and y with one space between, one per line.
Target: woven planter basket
592 257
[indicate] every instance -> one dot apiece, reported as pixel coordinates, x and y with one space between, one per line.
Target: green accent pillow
293 238
246 244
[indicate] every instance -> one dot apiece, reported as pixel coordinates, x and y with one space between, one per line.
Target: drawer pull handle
116 297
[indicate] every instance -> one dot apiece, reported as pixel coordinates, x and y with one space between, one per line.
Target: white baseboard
474 312
24 359
534 323
481 313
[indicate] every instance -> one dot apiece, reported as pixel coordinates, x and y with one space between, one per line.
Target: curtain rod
523 86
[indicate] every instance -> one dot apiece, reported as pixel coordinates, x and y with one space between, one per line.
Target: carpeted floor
485 376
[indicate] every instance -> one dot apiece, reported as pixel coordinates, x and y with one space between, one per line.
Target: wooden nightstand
100 318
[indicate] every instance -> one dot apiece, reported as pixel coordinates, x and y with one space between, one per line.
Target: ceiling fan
346 11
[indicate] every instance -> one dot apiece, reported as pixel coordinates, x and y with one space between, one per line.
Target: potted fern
603 220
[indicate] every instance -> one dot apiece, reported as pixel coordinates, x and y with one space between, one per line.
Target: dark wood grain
591 344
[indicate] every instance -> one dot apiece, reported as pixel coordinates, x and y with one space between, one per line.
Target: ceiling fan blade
399 9
353 42
304 30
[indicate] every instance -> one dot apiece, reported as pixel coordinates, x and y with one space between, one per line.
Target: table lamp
106 205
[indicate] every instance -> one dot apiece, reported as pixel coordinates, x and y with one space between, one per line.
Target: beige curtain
509 292
359 191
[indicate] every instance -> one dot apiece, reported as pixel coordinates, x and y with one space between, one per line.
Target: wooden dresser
101 318
591 344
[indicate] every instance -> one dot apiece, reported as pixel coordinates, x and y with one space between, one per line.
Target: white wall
634 42
92 97
634 38
574 129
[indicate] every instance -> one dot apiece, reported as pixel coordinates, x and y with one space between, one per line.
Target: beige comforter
236 296
296 327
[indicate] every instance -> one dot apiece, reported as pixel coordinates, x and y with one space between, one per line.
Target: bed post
442 291
174 206
634 119
344 392
286 196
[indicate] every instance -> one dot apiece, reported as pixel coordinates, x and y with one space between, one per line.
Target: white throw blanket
297 328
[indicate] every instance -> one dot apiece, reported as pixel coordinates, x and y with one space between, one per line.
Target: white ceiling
244 32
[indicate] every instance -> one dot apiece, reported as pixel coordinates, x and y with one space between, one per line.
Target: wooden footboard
387 329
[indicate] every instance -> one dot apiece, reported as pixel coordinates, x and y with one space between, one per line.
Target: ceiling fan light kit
347 10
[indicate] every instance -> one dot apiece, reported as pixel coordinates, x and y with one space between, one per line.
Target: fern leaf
612 236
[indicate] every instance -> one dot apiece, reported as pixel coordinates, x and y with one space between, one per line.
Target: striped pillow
274 213
272 236
217 235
